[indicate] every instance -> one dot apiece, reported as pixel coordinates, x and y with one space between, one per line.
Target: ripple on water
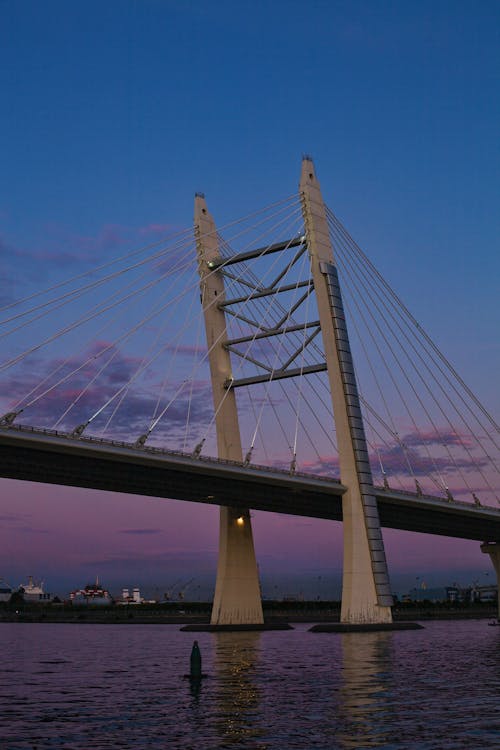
114 687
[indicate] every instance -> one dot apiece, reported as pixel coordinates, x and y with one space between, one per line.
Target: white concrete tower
366 595
237 598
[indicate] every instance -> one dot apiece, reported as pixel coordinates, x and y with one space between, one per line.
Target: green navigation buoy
195 672
195 662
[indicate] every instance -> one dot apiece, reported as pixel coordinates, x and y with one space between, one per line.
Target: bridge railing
257 468
164 451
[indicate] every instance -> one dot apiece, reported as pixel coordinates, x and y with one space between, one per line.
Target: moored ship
33 592
5 591
93 595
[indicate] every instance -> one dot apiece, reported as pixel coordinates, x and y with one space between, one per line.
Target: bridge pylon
237 599
366 594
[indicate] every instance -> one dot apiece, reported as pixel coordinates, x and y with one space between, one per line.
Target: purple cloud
65 248
88 247
444 437
137 403
394 461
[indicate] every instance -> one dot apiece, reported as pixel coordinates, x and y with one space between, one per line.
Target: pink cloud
443 437
325 466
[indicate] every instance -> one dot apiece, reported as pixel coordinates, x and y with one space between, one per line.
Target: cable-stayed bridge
301 370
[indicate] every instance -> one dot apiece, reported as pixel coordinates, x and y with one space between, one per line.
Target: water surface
87 687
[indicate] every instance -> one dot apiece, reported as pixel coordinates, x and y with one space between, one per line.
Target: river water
88 687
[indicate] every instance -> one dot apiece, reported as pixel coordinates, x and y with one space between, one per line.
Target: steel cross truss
283 326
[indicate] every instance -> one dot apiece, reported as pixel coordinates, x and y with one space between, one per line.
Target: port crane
182 588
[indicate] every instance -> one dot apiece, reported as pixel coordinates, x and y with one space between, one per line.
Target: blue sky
115 113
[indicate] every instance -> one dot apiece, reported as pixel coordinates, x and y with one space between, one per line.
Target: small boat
494 622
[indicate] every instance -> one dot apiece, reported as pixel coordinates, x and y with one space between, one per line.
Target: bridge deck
56 458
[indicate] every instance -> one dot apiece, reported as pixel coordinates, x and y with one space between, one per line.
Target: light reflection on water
86 687
365 689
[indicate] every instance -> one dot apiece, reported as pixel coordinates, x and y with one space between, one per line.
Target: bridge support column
237 599
366 595
493 550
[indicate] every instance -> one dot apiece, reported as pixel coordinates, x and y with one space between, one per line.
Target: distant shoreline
112 617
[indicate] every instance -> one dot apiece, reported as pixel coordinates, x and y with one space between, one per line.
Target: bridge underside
58 460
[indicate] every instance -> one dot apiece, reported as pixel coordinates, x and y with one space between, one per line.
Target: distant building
135 598
471 594
425 594
485 593
455 594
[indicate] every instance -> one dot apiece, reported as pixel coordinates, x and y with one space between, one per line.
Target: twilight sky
115 113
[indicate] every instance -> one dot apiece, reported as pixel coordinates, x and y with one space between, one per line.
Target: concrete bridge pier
237 599
493 550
